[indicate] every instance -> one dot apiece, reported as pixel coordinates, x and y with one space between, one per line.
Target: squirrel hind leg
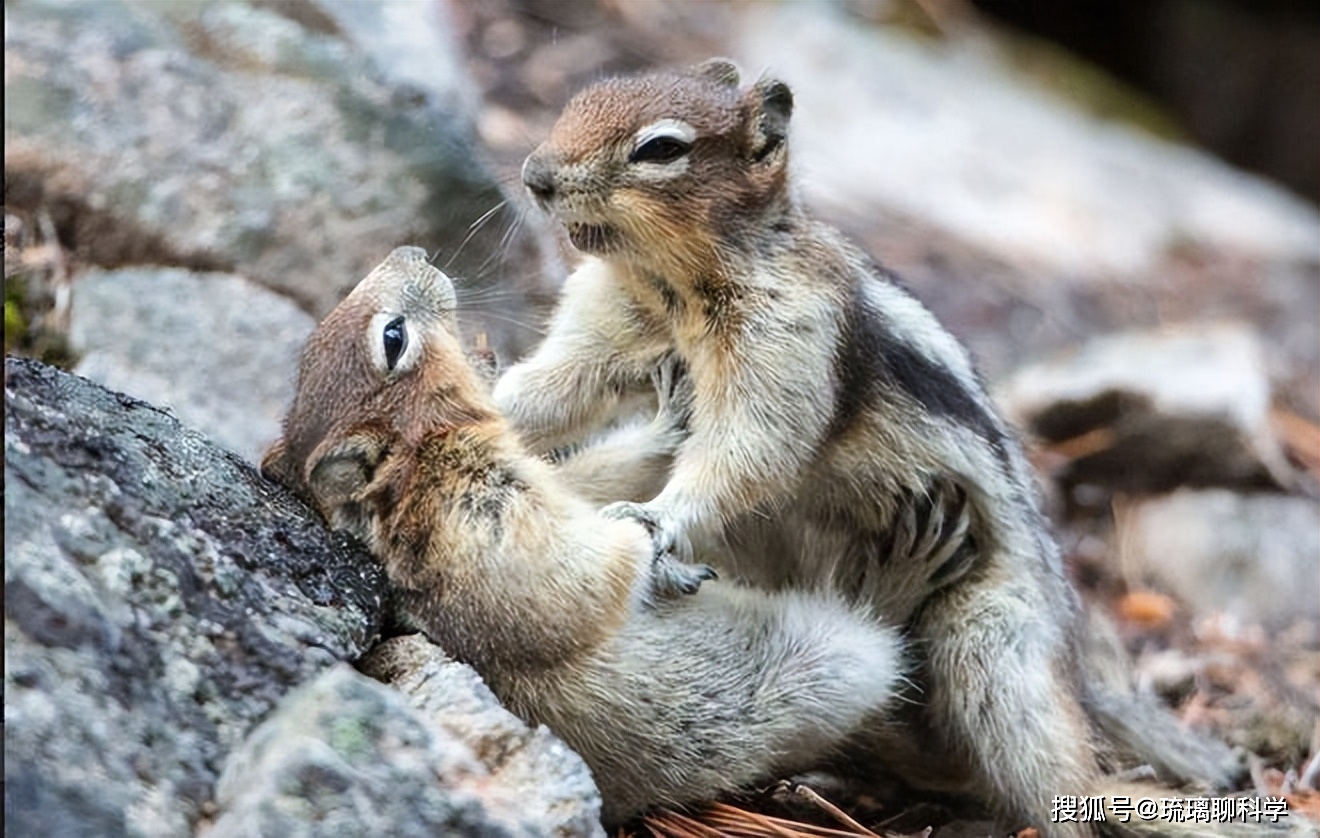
835 666
1001 695
758 686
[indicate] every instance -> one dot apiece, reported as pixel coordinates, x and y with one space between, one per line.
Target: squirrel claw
628 511
670 575
671 578
673 389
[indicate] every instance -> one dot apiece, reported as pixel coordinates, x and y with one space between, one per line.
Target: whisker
473 229
505 318
501 251
472 295
506 240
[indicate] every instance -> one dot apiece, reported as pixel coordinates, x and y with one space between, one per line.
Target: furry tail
1136 730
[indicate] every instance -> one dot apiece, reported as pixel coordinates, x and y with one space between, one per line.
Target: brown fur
669 700
829 411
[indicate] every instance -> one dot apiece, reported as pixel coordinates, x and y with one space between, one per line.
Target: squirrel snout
539 178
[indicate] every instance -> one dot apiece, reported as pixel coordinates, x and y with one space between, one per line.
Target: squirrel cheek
644 210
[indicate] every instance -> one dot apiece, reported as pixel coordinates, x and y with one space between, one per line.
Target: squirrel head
634 164
382 371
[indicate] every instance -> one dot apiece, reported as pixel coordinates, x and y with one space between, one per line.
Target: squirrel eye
660 150
395 339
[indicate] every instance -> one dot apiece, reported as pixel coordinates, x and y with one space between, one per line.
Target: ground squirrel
829 409
670 698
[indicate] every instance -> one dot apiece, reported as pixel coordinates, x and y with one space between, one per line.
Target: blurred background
1112 202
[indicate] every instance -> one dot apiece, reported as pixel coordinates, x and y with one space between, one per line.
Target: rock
554 785
217 351
1255 557
228 136
1025 223
1180 406
160 598
1233 75
946 132
348 755
1171 673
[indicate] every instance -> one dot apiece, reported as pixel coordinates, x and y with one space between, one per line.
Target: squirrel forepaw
934 530
673 390
671 576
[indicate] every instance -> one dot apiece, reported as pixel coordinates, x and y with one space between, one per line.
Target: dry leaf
1146 609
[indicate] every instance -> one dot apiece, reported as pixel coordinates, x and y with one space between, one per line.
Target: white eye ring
663 143
394 343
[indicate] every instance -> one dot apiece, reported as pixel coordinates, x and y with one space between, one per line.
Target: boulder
1152 411
292 148
1254 557
948 132
216 350
175 632
553 785
160 599
346 755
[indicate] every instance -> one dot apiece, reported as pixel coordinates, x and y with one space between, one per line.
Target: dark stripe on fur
872 362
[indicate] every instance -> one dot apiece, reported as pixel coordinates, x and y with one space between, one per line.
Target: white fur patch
676 128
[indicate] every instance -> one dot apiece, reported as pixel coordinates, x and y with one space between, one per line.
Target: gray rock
225 136
1255 557
557 794
947 132
1026 223
346 755
160 598
217 351
1179 406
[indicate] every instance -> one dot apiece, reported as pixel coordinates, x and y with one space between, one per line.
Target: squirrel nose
539 178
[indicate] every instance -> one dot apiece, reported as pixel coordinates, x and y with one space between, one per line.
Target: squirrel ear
337 479
722 71
339 471
771 109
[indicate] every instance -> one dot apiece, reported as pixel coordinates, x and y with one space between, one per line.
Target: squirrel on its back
567 615
830 414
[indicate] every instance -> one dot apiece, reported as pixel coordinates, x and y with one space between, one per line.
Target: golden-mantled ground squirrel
829 412
670 698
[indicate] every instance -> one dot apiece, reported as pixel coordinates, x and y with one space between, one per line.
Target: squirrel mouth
593 238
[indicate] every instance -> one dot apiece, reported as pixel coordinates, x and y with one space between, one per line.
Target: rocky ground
187 187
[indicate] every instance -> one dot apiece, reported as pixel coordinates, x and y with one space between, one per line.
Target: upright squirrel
830 411
669 698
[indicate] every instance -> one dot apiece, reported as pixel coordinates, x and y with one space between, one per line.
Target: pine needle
723 820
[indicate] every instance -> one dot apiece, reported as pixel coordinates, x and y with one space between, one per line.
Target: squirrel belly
667 692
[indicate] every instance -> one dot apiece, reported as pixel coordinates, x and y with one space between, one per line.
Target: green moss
15 326
349 738
24 332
